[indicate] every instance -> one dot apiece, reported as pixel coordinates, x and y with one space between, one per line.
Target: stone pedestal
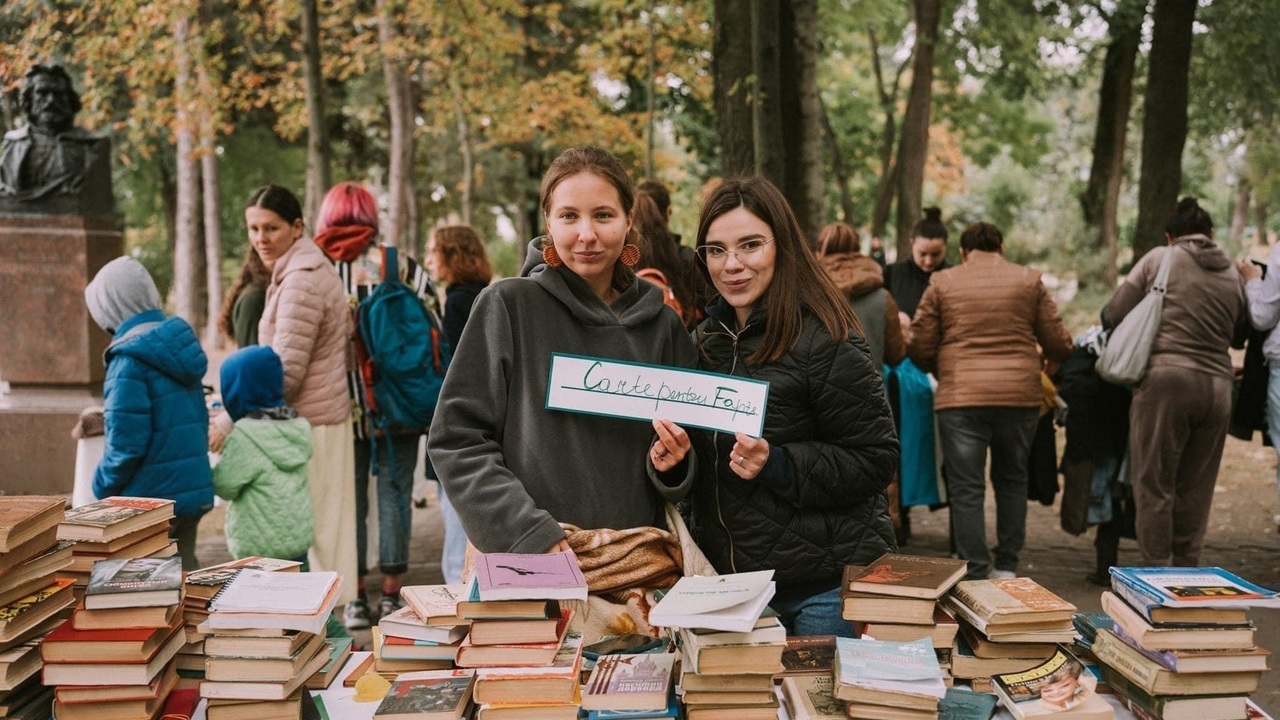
45 263
50 348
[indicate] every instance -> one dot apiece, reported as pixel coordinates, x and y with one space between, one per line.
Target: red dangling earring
630 255
550 256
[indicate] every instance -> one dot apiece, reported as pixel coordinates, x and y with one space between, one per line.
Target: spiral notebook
256 591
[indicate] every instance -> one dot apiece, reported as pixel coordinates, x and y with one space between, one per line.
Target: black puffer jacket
819 503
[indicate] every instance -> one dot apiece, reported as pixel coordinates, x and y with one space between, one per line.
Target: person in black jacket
807 498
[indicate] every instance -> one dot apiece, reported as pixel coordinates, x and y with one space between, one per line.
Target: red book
129 645
182 703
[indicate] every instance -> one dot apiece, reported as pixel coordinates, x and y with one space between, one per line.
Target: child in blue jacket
263 470
156 421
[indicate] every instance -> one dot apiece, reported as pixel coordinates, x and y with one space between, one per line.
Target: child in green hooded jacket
263 470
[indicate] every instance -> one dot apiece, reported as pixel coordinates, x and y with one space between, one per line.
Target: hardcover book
942 633
19 663
960 704
152 545
206 582
108 519
261 690
227 669
406 623
809 655
1156 679
92 694
519 576
1158 614
338 650
759 658
1195 587
398 648
125 618
1202 661
1171 637
30 610
908 576
1012 600
812 698
435 604
134 582
67 644
866 607
630 682
1173 707
507 610
966 665
556 683
1059 687
477 656
278 646
98 673
23 517
428 694
37 557
732 603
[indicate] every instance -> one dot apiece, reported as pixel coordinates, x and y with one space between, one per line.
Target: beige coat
306 323
977 329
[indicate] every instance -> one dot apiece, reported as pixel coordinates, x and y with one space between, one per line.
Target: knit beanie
252 379
121 289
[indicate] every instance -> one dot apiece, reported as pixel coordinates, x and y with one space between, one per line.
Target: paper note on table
599 386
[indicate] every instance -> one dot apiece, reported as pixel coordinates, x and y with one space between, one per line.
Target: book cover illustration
135 575
872 659
22 605
1056 685
430 601
1007 595
106 513
1194 587
642 674
894 573
809 654
427 692
501 576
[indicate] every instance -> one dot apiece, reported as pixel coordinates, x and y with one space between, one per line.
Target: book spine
1108 650
1152 594
1166 659
1135 599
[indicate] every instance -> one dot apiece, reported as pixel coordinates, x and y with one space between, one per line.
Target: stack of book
896 598
202 586
518 634
1181 646
1006 625
115 528
888 680
114 659
32 601
425 634
730 649
264 639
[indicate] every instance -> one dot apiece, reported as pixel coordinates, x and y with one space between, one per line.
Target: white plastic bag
1128 347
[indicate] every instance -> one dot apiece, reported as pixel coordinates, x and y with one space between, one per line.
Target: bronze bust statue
50 156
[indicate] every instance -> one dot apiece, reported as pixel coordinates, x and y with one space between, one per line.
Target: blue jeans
967 434
454 554
814 615
395 500
1273 415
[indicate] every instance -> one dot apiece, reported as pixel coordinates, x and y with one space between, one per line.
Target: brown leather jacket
977 329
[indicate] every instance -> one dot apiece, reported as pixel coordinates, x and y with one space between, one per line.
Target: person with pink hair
347 231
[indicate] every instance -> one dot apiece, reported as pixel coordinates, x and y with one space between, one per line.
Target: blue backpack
402 352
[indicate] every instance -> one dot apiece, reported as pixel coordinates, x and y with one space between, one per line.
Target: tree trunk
888 181
651 91
1101 198
1164 122
400 110
731 70
185 262
211 207
767 103
802 126
1260 222
468 184
847 209
1240 216
318 157
913 149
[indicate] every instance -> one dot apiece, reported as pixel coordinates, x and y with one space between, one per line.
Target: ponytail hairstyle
604 165
278 200
799 282
931 226
252 272
1188 218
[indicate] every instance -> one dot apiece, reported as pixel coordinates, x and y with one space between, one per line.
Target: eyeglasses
717 253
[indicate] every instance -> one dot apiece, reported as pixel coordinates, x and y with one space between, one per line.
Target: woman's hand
1248 270
748 456
671 447
559 547
220 426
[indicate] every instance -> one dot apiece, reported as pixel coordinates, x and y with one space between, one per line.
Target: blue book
1193 587
1088 624
962 704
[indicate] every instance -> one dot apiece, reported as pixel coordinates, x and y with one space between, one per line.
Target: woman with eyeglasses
807 498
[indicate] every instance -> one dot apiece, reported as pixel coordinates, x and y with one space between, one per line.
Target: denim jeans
395 501
967 434
1273 417
814 615
454 554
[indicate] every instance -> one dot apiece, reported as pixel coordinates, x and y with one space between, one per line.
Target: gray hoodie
515 470
121 289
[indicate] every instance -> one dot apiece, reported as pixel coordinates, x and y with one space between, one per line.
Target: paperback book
134 582
888 670
732 603
427 694
1195 587
812 698
23 517
518 576
630 682
1059 687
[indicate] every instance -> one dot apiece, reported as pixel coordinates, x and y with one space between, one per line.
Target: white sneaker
1001 575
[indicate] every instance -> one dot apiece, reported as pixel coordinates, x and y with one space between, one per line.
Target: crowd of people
848 345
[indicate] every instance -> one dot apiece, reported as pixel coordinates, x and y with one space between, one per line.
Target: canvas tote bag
1124 359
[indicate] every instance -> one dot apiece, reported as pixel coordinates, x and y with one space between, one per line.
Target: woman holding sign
515 470
807 498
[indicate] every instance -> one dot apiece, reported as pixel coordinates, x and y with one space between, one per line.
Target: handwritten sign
597 386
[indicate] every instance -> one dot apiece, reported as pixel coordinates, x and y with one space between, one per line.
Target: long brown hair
601 163
462 255
659 249
252 272
799 282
